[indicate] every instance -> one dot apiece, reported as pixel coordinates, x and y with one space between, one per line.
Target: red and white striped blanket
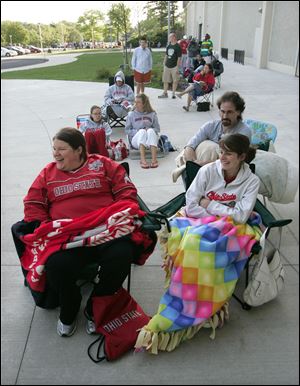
97 227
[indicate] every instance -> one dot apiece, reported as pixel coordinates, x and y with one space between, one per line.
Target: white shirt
141 60
235 199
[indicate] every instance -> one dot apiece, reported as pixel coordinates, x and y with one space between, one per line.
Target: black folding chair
151 222
112 118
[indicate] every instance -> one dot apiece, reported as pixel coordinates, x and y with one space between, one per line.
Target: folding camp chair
113 120
262 133
218 82
135 153
151 222
81 118
207 97
267 217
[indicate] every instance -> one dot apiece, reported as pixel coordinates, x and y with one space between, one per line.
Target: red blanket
97 227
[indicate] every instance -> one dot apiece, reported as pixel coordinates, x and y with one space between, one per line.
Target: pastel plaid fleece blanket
204 258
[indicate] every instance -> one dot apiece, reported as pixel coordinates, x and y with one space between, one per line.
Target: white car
6 52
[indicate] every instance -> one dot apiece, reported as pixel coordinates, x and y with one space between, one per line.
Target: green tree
91 24
119 19
15 30
159 10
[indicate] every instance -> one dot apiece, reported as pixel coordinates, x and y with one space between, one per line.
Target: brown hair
240 144
146 103
209 65
74 138
235 98
94 107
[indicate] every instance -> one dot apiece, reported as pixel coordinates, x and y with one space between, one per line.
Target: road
12 63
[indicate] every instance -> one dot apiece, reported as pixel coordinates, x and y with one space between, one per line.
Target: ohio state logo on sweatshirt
221 197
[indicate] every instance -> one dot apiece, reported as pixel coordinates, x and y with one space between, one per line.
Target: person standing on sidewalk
183 45
171 66
141 64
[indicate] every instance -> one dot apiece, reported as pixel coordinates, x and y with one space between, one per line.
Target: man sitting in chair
118 98
203 83
202 147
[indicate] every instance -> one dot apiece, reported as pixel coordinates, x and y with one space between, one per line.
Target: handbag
117 318
267 278
203 106
118 150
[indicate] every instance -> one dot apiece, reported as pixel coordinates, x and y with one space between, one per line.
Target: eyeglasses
96 113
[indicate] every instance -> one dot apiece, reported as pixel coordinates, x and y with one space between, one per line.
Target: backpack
165 144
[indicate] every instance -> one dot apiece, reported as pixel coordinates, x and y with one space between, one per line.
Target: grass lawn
89 68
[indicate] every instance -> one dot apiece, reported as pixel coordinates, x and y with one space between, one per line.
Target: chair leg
244 305
129 279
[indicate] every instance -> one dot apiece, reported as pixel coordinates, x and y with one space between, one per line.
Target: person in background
193 50
119 97
96 131
202 147
218 67
206 48
183 45
203 82
198 64
141 64
142 128
171 66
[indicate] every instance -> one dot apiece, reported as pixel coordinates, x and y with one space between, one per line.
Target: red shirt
209 79
56 194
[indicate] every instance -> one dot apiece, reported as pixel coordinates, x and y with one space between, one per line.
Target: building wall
284 34
213 22
239 25
240 21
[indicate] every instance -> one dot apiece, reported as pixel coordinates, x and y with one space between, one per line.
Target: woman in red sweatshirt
76 200
203 83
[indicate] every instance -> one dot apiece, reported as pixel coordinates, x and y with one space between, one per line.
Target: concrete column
204 28
266 28
221 27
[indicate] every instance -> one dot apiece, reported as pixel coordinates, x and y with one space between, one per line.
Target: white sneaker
66 329
90 327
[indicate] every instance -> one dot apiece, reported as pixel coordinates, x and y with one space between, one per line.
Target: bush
103 73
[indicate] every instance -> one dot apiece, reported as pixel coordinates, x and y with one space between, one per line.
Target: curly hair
234 98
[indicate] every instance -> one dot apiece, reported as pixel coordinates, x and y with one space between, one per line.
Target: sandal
154 164
185 108
144 165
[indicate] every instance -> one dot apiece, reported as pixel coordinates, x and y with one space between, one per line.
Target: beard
226 122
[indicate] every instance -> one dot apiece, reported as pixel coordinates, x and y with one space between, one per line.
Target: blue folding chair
262 133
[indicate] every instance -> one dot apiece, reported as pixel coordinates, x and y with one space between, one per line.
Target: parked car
19 50
34 49
6 52
27 50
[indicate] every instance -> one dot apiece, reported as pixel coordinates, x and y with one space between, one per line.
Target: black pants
64 268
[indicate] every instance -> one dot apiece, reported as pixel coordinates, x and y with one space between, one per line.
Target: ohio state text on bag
117 318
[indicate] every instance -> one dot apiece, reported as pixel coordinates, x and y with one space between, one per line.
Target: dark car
34 49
